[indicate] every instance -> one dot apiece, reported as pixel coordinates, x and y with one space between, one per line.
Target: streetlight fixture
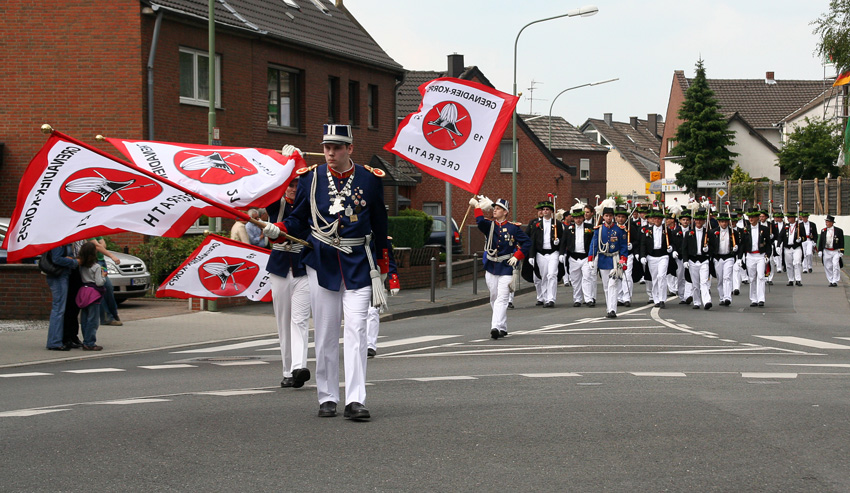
549 146
586 11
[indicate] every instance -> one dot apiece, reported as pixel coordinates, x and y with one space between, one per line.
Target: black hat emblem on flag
101 186
206 163
223 271
447 120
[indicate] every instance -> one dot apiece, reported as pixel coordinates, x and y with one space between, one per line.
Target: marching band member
696 255
791 241
576 246
684 288
723 245
830 251
655 255
538 286
756 249
341 205
505 246
546 235
776 255
610 248
739 274
810 232
632 234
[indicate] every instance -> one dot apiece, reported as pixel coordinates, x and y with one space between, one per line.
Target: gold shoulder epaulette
375 171
305 170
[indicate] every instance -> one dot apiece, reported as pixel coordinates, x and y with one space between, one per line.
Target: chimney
455 65
652 123
633 121
769 79
608 117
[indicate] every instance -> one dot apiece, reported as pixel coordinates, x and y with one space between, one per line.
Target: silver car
130 277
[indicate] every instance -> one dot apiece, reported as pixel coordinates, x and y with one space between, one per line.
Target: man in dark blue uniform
505 246
339 208
610 248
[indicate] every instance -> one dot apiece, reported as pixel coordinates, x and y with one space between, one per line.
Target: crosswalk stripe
413 340
658 374
439 379
166 367
29 374
124 402
228 347
549 375
229 393
768 375
241 363
802 341
94 370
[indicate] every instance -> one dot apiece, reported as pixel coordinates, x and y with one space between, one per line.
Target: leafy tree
833 28
811 150
702 139
741 184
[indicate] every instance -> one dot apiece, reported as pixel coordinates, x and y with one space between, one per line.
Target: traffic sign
721 193
654 175
711 183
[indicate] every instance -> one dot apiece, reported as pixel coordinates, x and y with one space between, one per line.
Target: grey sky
641 42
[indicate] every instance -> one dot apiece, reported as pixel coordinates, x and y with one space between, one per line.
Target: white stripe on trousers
328 310
291 302
500 292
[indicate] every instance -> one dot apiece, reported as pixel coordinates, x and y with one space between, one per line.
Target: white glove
705 249
630 247
560 259
687 265
556 241
271 231
643 260
735 248
288 150
394 291
485 204
512 261
473 202
820 254
676 255
669 249
531 262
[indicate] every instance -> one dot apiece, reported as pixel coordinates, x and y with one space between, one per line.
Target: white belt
342 244
500 258
288 247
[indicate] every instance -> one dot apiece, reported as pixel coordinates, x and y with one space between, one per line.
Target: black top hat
607 210
830 218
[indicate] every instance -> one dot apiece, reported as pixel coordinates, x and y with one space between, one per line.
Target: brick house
540 171
283 69
635 148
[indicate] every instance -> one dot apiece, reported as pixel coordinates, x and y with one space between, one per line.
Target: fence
826 196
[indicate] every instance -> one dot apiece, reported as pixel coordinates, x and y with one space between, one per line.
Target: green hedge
427 221
406 231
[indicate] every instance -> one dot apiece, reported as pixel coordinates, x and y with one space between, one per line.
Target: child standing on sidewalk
92 275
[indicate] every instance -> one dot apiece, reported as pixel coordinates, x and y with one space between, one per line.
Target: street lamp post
584 12
549 145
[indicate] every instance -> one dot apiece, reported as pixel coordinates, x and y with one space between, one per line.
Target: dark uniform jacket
763 243
282 261
733 240
568 244
788 241
837 240
647 247
693 251
508 239
535 232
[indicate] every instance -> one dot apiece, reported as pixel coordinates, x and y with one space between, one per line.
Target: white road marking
801 341
768 375
732 350
413 340
821 365
30 374
228 347
438 379
124 402
167 367
549 375
241 363
29 412
228 393
658 374
93 370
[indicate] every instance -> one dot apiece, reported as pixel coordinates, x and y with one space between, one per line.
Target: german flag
842 79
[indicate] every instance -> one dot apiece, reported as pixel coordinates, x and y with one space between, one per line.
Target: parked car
438 234
4 227
130 278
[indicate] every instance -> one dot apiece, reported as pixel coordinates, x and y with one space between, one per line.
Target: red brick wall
73 64
677 97
584 188
25 294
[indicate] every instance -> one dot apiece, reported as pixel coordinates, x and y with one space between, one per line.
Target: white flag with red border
71 191
221 268
456 131
237 176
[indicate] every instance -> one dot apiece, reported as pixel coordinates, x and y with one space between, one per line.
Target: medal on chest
337 197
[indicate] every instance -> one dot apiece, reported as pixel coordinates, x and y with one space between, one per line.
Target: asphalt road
732 399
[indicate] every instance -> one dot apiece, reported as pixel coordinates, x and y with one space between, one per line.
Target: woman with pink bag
90 294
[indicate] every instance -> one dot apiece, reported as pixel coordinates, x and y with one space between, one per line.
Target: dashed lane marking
658 374
229 393
802 341
549 375
441 379
229 347
94 370
126 402
167 367
768 375
28 374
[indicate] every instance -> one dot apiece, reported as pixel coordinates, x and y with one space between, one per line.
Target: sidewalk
166 324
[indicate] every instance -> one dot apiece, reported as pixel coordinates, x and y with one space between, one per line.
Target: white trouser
580 273
500 292
724 268
755 272
373 325
291 302
593 279
830 265
548 266
776 262
627 286
794 264
329 307
538 286
672 283
658 269
684 289
808 251
701 281
737 274
612 289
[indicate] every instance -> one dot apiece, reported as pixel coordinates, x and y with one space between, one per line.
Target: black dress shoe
611 315
370 353
503 333
73 345
287 382
663 305
696 307
619 303
591 304
708 306
327 409
690 299
576 304
650 302
510 305
790 283
539 303
59 348
300 376
356 412
761 303
736 292
550 304
799 283
627 303
494 333
683 302
754 304
657 305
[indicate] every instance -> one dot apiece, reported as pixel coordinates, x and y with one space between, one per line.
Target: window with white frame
433 208
284 98
584 169
195 79
506 157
